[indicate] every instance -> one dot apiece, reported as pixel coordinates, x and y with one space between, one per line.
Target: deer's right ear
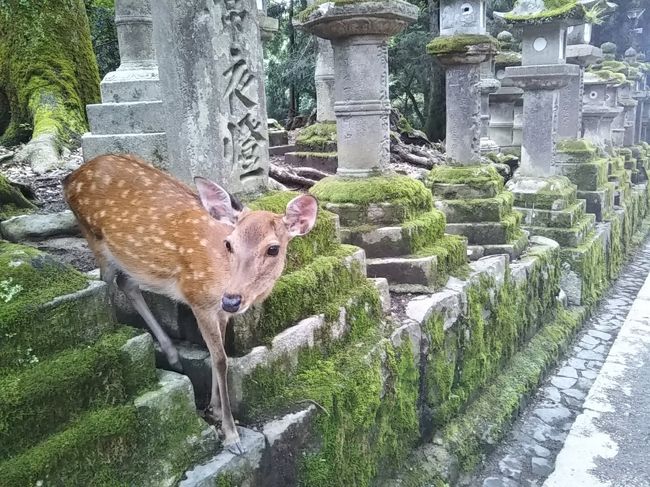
216 200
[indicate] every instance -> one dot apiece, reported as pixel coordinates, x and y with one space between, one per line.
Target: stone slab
126 118
38 227
405 270
151 147
325 161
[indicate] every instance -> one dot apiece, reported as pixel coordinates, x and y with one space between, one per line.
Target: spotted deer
148 230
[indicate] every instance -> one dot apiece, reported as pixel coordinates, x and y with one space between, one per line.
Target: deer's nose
231 303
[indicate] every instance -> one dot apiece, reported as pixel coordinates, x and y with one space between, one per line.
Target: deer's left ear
300 216
221 205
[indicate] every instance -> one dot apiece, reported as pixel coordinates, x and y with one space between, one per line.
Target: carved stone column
359 34
211 73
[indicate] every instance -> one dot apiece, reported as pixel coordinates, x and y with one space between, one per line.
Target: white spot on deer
121 183
125 193
203 242
140 229
106 179
102 213
167 244
78 187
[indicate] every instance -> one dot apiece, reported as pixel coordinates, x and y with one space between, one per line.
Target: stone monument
211 75
130 118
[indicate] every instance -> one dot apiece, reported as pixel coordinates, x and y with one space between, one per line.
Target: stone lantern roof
571 12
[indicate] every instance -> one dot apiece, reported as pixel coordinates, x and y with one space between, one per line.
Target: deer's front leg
211 325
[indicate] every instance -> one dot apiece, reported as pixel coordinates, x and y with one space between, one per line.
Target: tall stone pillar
211 74
488 85
130 117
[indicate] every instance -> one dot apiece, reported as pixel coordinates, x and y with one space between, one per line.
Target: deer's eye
273 250
228 246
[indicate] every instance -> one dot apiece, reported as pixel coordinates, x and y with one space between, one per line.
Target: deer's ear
217 201
300 216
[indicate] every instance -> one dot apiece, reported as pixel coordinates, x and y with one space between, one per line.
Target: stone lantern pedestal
130 117
471 194
391 217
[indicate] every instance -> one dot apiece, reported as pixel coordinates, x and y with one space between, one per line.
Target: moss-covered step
553 193
149 441
47 307
405 239
477 210
396 191
600 202
381 214
585 277
489 233
566 237
425 272
567 218
464 183
513 248
40 400
316 288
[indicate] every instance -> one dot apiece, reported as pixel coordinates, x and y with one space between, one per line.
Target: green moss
460 44
322 240
589 262
553 10
319 137
424 230
451 253
29 329
404 126
508 58
307 291
576 146
397 190
324 155
37 401
98 441
474 176
47 69
478 210
486 420
615 250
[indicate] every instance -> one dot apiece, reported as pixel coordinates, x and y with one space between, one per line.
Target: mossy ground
47 68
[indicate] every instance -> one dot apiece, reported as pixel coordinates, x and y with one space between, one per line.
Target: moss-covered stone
451 256
47 68
553 10
30 327
397 190
474 176
588 261
319 137
37 401
477 210
460 44
587 176
576 146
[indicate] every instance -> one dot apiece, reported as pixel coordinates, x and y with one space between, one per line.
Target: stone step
41 398
39 226
513 249
489 233
462 191
565 218
406 274
126 118
323 161
600 202
396 241
130 85
385 214
566 237
151 147
554 193
477 210
587 176
137 443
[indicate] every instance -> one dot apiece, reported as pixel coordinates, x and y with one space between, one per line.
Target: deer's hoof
235 448
175 364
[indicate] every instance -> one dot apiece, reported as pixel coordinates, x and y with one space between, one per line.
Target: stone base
600 203
151 147
566 237
278 137
473 200
141 117
323 161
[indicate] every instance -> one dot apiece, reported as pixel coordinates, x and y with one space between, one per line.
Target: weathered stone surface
405 270
489 233
381 284
244 466
323 161
213 90
37 226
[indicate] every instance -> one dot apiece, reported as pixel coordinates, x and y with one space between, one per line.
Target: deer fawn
148 229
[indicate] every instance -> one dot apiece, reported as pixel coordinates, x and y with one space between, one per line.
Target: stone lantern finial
609 51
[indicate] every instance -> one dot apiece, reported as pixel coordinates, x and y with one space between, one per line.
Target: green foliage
101 15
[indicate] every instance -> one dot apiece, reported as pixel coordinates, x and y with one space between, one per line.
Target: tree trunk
435 125
49 73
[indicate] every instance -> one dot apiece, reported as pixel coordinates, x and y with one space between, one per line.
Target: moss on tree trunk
12 201
48 73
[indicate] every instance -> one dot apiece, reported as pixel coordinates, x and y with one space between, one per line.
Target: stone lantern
359 33
598 113
462 17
